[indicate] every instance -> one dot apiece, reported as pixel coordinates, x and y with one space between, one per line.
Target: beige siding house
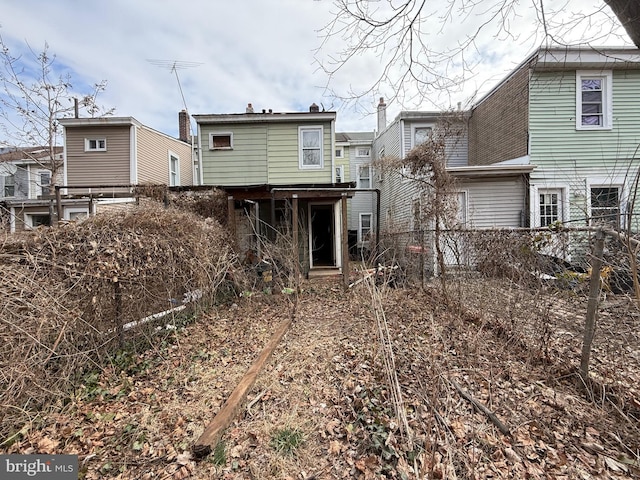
104 156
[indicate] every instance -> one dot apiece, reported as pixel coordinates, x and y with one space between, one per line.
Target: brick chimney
249 108
183 126
382 115
314 108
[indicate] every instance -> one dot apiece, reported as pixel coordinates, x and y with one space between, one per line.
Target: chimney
382 115
183 126
314 108
249 108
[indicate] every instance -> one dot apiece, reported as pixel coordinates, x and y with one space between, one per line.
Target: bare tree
34 97
422 47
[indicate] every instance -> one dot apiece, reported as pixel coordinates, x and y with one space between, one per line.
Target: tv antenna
173 66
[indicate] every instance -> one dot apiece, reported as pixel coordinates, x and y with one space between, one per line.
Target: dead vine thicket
76 294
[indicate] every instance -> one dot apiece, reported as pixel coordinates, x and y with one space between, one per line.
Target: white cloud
258 51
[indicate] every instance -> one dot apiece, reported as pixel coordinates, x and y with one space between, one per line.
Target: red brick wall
498 128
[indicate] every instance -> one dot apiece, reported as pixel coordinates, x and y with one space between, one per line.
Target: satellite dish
7 169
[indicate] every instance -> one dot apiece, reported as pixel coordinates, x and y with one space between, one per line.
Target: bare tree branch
420 48
33 97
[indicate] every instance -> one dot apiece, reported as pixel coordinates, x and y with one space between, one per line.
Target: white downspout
133 155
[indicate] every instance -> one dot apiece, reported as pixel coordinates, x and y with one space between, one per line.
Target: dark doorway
322 236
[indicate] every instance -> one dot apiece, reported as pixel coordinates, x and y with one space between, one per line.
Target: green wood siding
575 159
554 138
262 153
284 165
245 164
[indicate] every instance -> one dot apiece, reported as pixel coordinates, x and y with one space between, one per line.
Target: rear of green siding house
575 159
262 153
552 121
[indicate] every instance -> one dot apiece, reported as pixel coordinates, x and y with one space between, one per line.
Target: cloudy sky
230 53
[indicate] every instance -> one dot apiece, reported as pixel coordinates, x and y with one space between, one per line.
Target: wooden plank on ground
212 434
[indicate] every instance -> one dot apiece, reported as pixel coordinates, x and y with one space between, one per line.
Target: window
44 183
339 173
95 144
310 147
37 219
9 185
221 141
421 135
364 227
364 176
363 152
593 100
550 207
339 152
605 205
174 170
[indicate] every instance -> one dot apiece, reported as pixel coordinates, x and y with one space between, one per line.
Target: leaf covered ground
323 409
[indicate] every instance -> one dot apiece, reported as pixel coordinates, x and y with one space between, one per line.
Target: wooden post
592 306
345 242
231 214
296 246
58 202
212 434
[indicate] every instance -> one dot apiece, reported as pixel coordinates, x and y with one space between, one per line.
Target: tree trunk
628 12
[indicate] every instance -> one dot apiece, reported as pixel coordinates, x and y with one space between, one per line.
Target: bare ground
322 408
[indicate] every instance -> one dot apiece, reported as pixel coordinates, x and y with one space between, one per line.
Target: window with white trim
174 170
339 152
593 100
95 144
44 183
421 134
364 227
605 205
9 185
34 220
310 147
340 174
221 141
364 176
550 206
363 152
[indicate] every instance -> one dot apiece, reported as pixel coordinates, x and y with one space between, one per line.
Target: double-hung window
364 176
364 227
95 144
44 184
340 174
9 185
594 100
174 170
605 205
310 147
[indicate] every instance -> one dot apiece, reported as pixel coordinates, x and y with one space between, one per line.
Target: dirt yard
322 407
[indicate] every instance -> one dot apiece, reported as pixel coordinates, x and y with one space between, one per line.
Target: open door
322 235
